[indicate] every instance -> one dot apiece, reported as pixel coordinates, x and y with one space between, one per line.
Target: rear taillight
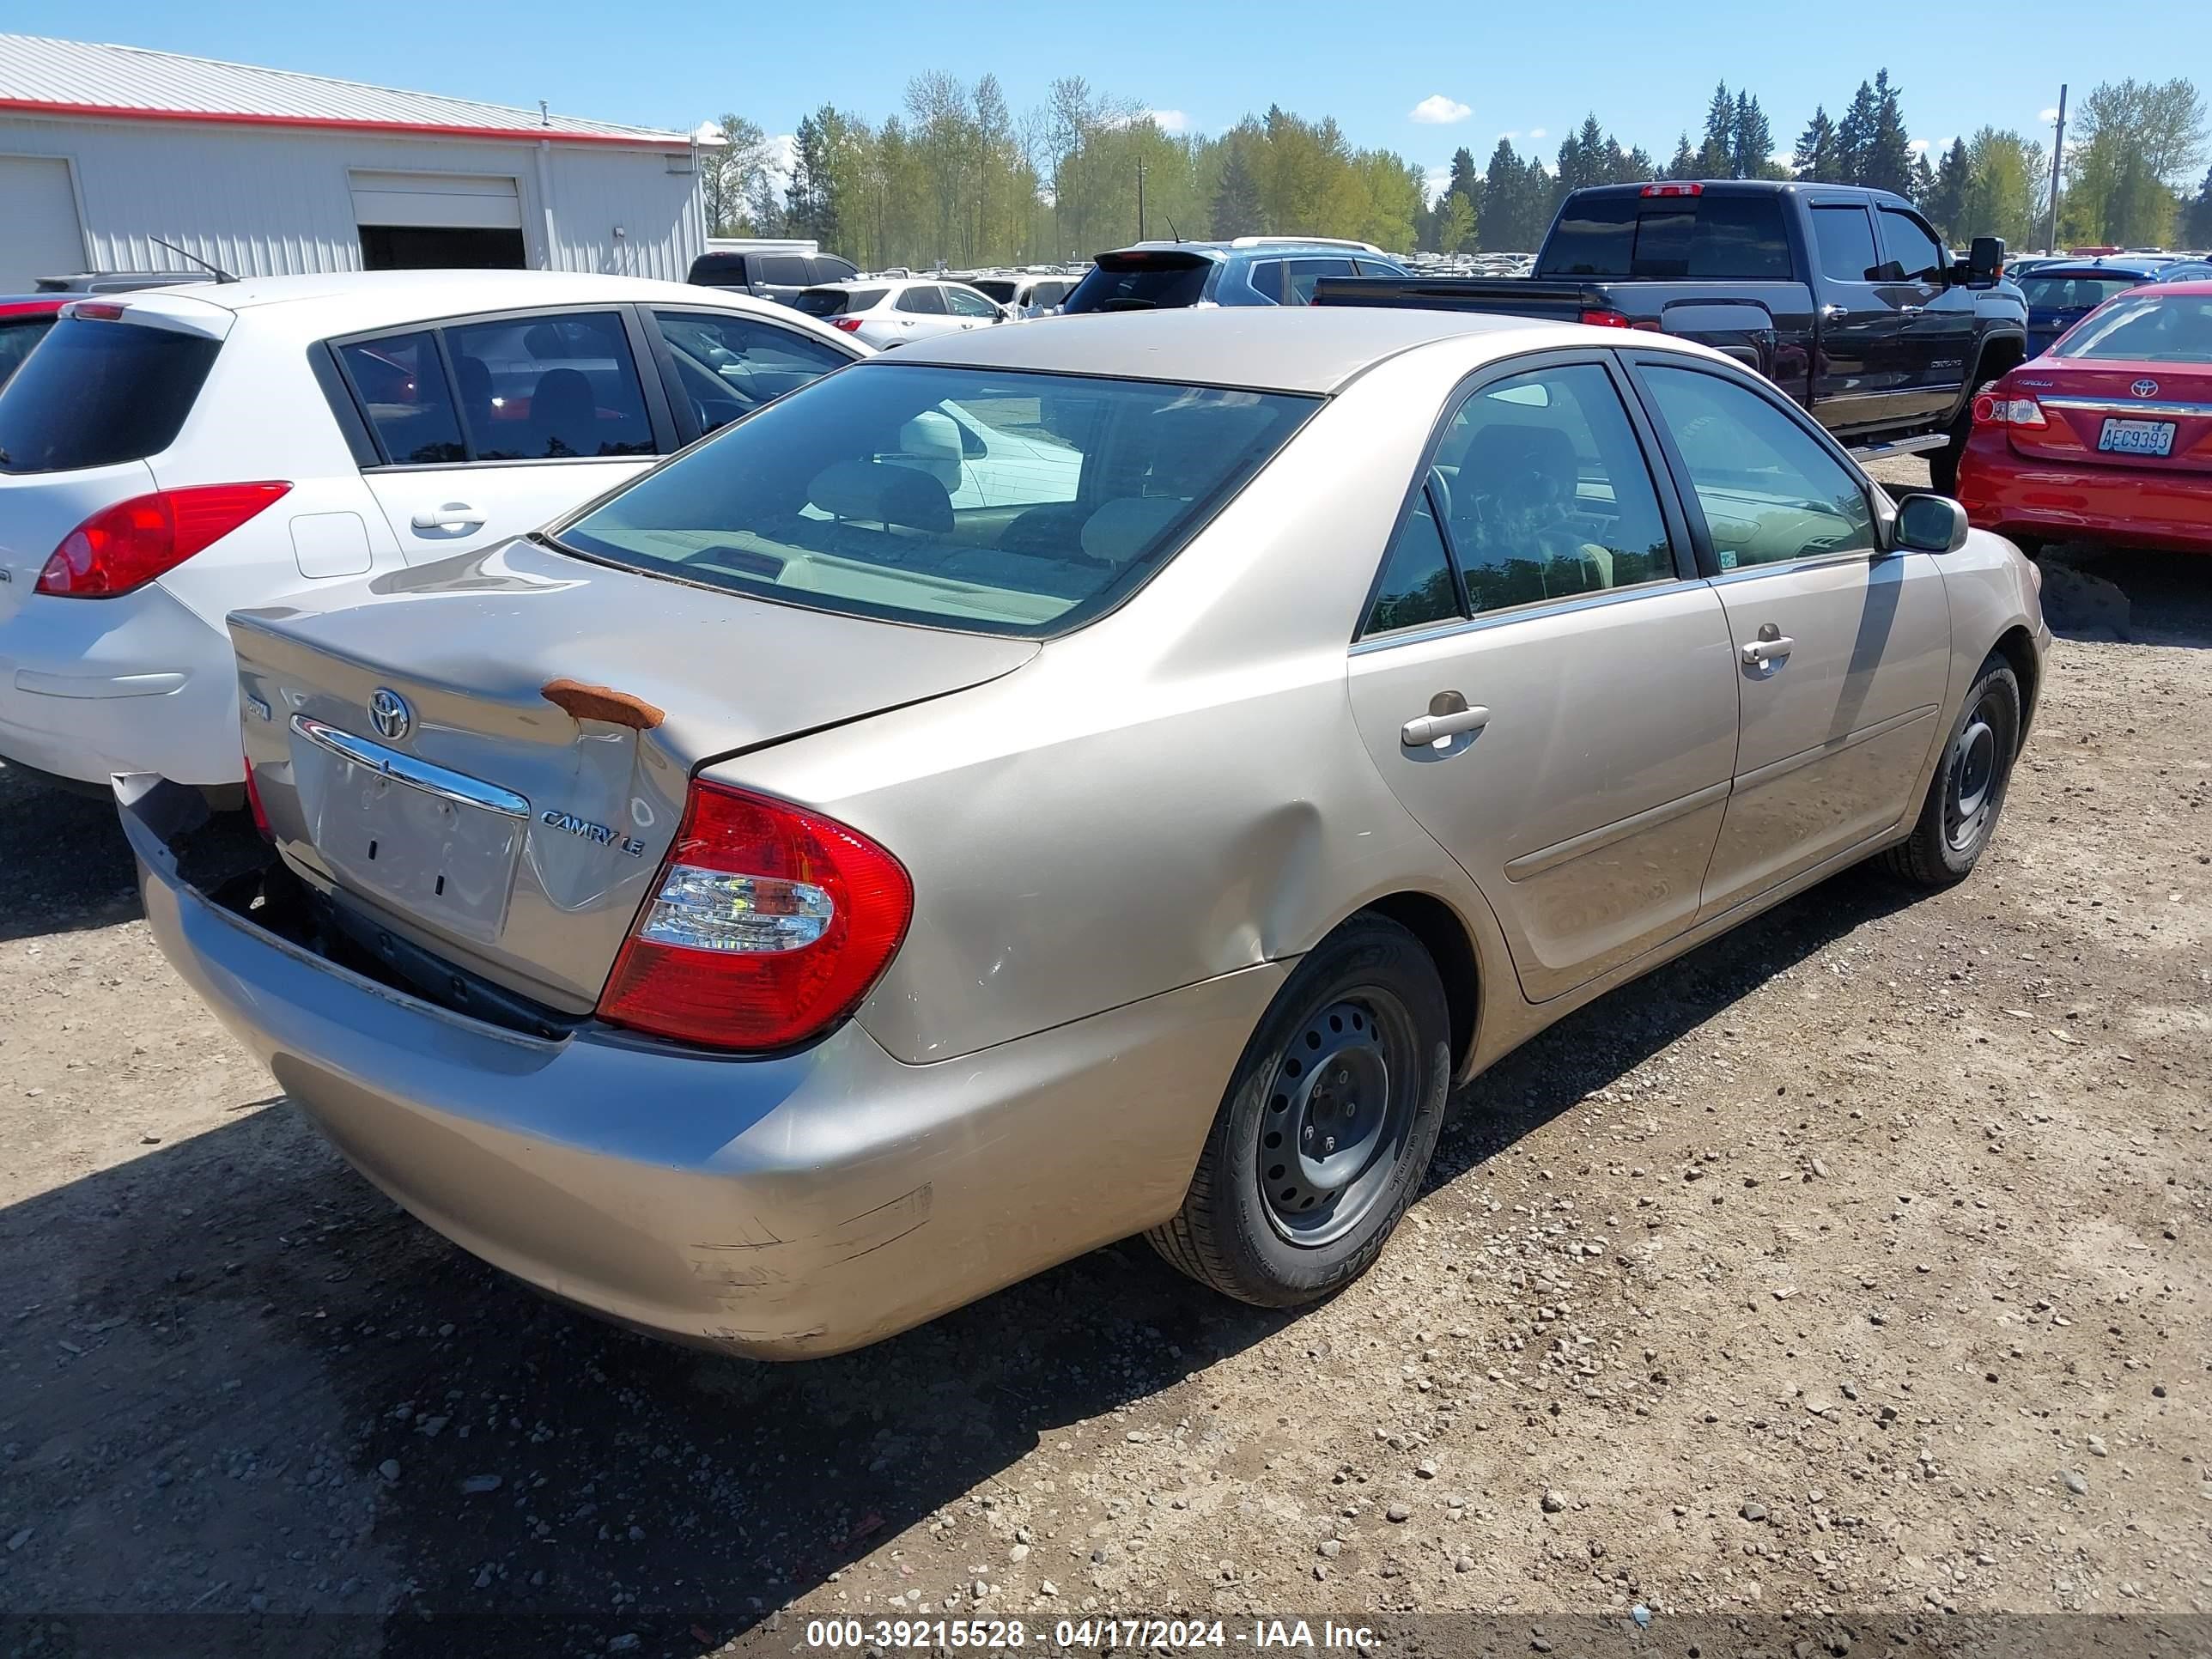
768 924
849 325
1597 318
127 545
1990 410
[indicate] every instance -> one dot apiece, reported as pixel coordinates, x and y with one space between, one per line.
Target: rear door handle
1834 313
1757 654
1909 310
453 515
1420 733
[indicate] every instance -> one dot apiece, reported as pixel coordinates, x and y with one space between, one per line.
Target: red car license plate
2137 437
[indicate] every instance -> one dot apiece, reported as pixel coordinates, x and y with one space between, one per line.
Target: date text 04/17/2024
1120 1634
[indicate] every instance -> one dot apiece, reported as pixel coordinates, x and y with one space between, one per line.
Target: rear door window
1843 237
100 392
549 388
786 270
403 389
927 301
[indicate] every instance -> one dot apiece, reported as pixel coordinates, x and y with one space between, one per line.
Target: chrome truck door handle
1909 310
1757 654
453 515
1834 313
1420 733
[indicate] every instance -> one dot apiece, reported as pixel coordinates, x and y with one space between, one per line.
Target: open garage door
422 221
38 232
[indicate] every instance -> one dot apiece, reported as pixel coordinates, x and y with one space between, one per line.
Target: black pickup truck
1842 296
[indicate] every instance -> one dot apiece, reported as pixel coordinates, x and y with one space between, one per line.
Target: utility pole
1141 171
2058 157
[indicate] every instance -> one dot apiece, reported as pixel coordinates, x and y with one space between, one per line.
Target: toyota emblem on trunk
2145 388
389 713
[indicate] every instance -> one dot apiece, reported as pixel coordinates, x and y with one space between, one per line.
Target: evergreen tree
1684 165
1945 203
1637 167
1816 160
811 200
1502 216
1923 180
1751 140
1854 136
1236 210
2197 226
1889 152
1716 156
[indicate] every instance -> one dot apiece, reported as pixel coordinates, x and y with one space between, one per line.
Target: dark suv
770 276
1252 271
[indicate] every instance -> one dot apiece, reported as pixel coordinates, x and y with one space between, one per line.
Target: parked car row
1033 786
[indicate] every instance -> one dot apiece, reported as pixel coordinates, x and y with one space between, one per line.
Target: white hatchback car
168 457
897 311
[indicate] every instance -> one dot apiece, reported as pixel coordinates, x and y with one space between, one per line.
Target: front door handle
1757 654
453 515
1834 313
1909 310
1426 729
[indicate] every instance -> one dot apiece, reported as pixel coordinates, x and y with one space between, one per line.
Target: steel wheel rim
1975 776
1339 1111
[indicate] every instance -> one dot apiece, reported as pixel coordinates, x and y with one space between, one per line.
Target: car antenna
1172 231
220 274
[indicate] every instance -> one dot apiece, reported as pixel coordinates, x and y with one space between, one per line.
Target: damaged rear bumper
798 1205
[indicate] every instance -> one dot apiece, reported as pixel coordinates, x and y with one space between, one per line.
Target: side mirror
1930 524
1984 261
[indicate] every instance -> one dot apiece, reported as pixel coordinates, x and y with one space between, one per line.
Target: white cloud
1169 120
1509 137
1436 181
2048 116
1917 146
1783 158
1437 111
1535 132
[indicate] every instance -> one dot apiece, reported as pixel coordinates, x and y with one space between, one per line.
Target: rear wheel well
2019 651
1444 937
1997 358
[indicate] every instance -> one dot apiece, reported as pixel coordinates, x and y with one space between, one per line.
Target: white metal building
265 172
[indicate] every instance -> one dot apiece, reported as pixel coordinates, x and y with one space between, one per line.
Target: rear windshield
2058 292
838 301
1680 238
975 499
1141 285
17 336
2149 327
99 393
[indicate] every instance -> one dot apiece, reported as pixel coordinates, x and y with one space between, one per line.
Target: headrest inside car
877 492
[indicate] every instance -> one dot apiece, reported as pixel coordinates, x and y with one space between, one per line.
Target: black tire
1967 793
1943 464
1264 1224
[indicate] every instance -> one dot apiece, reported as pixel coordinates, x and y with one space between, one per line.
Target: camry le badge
2145 388
570 824
389 713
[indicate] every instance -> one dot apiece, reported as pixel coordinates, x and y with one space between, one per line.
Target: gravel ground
1851 1267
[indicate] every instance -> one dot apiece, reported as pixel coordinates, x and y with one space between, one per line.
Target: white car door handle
1419 732
1757 654
453 515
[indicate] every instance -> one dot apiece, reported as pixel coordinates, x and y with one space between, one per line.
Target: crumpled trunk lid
411 764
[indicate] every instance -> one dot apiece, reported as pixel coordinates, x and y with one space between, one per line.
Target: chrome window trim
1743 572
441 781
1530 610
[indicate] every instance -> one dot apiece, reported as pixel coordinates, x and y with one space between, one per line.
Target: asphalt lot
1850 1267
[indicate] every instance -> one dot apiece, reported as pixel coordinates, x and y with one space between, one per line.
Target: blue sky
1647 71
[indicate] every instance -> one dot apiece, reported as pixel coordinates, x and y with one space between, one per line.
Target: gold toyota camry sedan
1060 783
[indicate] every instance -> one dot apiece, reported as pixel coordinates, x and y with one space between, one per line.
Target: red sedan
2108 436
